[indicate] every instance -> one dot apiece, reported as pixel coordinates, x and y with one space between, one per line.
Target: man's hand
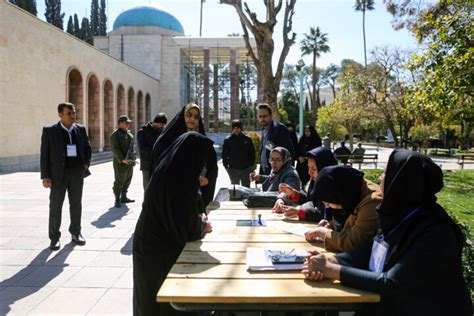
254 176
47 183
125 162
288 190
203 181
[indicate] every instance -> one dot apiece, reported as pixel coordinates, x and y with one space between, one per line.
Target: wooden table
211 274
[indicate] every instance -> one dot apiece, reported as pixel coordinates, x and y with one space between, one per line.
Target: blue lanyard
324 212
413 212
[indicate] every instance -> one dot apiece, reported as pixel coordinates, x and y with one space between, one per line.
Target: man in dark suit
274 134
65 159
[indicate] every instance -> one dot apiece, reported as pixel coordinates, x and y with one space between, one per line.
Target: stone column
216 98
205 80
234 86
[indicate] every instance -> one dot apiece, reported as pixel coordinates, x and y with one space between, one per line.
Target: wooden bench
358 159
443 152
465 159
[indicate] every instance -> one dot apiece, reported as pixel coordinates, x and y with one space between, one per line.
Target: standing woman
172 215
188 119
308 141
414 262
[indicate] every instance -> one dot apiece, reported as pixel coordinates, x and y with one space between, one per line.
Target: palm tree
364 5
314 44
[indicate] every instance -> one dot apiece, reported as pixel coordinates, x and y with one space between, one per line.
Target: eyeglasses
191 115
277 160
280 253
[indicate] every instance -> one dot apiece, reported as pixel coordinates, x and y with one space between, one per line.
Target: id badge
71 151
378 255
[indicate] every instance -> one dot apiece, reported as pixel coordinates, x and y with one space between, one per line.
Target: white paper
299 230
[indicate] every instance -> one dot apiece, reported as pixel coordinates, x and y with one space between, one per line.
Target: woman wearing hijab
282 171
171 216
353 201
188 119
308 141
309 207
414 262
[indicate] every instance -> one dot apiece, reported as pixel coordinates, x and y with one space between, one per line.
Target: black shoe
78 240
54 245
117 203
126 200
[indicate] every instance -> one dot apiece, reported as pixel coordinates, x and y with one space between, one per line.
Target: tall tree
263 34
314 44
94 21
27 5
53 13
77 26
364 5
329 77
86 32
70 26
102 19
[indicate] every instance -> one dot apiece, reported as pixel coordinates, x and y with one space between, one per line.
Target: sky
337 18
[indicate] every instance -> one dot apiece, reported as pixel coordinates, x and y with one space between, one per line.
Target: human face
307 132
312 168
264 117
236 130
276 161
67 116
332 206
191 118
124 125
159 126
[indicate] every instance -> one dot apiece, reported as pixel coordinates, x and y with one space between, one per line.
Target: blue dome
148 15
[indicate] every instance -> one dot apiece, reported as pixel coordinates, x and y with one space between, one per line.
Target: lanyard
324 212
413 212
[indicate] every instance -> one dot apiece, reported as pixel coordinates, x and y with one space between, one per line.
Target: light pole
299 67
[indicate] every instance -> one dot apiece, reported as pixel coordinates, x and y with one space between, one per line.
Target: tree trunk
314 100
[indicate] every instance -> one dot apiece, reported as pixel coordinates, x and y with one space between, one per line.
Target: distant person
187 120
294 137
65 159
274 134
414 261
342 153
146 138
281 172
123 151
358 153
377 141
327 141
308 141
173 214
238 155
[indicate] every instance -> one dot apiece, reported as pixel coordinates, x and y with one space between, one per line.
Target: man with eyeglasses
274 134
65 159
123 151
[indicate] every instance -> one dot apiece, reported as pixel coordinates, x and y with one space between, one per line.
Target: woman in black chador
308 141
414 261
188 119
172 215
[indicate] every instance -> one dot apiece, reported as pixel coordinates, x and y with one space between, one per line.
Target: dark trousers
123 177
240 176
146 178
72 182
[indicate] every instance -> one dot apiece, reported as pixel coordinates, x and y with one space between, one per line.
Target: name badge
71 151
378 255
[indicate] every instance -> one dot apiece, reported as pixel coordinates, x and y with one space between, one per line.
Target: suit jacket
53 151
279 135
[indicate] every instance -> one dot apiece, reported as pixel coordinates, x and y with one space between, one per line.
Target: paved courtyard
95 279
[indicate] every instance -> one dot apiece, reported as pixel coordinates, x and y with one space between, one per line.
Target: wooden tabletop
213 270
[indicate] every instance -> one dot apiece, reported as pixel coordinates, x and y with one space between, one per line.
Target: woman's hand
207 228
290 211
203 181
319 233
288 190
324 223
254 176
278 207
319 266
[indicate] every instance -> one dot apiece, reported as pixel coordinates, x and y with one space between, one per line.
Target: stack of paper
260 259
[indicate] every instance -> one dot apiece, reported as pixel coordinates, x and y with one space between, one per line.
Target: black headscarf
323 158
177 172
172 131
308 143
411 181
339 185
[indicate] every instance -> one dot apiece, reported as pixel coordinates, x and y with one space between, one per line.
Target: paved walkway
95 279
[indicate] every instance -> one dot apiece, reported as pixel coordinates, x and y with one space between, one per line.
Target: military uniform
121 143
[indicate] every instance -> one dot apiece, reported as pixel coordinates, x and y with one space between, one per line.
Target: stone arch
140 110
93 111
132 110
75 92
147 108
109 121
121 110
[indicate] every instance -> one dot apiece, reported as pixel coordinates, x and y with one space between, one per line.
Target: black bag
261 199
238 192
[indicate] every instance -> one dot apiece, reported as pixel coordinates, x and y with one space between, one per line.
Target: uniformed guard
123 150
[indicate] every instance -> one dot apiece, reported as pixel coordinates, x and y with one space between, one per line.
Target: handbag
261 199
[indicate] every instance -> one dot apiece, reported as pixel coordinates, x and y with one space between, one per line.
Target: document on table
260 259
300 230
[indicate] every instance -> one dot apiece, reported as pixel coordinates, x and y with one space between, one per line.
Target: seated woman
311 208
188 119
282 171
172 215
414 262
353 201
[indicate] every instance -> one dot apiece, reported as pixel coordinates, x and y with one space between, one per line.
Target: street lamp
299 67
